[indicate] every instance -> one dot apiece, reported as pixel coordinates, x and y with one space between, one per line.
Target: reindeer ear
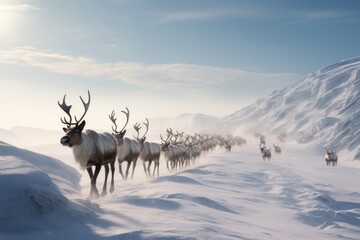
82 125
122 134
143 139
65 129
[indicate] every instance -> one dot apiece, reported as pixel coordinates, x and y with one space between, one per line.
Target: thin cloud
253 13
141 75
21 7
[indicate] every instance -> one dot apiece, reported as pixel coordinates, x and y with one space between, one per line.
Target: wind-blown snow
323 109
228 195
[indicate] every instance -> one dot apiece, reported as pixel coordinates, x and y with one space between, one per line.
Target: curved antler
66 109
147 127
168 138
127 113
86 107
113 119
137 129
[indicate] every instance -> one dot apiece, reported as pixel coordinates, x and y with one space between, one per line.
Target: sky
161 58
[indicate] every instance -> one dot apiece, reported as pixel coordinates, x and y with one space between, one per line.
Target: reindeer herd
93 149
180 150
330 156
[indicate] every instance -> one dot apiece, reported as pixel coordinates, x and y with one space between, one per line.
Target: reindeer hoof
104 193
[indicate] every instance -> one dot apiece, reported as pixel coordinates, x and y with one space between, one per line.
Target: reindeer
183 153
265 152
277 149
331 156
128 149
89 148
170 151
149 151
228 145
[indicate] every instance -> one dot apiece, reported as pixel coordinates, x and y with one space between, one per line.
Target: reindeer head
73 130
119 135
166 143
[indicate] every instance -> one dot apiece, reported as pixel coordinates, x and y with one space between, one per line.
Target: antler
147 127
113 119
86 107
137 129
168 138
127 113
66 109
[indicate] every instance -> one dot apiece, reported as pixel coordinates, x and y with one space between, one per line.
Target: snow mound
323 109
33 193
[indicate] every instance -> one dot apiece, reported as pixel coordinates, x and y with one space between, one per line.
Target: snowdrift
323 109
33 193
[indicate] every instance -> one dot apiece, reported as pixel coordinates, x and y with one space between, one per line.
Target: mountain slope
322 109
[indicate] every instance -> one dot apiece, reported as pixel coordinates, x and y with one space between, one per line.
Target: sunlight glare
10 15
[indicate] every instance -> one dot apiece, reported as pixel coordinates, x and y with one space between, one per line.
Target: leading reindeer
89 147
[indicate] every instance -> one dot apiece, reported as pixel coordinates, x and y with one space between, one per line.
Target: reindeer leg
144 165
148 168
112 166
127 170
91 175
133 169
158 166
104 192
155 167
121 172
167 165
93 181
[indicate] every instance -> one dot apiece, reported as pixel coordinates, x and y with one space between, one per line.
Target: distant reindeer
228 145
277 149
331 156
171 152
89 148
149 151
128 149
194 148
265 152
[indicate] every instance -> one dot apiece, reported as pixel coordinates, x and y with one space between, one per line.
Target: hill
324 109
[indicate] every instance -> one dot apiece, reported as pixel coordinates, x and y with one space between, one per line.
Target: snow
226 195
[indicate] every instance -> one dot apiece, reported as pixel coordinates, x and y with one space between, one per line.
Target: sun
7 20
10 17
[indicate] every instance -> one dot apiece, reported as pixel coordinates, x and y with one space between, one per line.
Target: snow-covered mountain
323 109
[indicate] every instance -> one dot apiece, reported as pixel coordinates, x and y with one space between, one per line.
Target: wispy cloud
142 75
21 7
253 12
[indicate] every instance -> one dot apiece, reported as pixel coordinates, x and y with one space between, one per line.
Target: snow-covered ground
227 195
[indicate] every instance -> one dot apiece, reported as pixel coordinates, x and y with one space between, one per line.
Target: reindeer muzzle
65 141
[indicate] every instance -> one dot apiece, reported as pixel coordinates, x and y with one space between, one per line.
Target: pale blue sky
162 57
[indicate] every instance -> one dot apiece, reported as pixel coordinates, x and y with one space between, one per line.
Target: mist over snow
322 110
